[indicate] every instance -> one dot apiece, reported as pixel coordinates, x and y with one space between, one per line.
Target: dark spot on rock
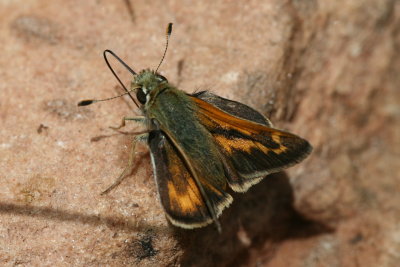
142 248
33 28
356 239
41 128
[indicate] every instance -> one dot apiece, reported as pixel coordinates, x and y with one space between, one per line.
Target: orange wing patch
187 200
233 144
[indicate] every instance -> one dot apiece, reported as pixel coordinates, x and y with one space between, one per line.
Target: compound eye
141 96
161 78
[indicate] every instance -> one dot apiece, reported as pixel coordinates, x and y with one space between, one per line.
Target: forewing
251 150
179 192
232 107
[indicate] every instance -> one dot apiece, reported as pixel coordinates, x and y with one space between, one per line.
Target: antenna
127 92
169 31
92 101
116 76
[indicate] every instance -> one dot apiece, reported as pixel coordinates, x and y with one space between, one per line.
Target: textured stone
325 70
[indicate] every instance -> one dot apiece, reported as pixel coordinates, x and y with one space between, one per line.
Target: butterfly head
146 82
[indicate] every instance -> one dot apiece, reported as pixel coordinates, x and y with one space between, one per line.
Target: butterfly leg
129 167
139 119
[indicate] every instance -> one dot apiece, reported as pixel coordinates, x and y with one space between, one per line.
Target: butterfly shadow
263 214
48 213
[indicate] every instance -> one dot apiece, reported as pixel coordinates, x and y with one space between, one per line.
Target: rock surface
325 70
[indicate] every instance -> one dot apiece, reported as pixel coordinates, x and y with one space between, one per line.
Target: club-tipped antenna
88 102
169 31
116 76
